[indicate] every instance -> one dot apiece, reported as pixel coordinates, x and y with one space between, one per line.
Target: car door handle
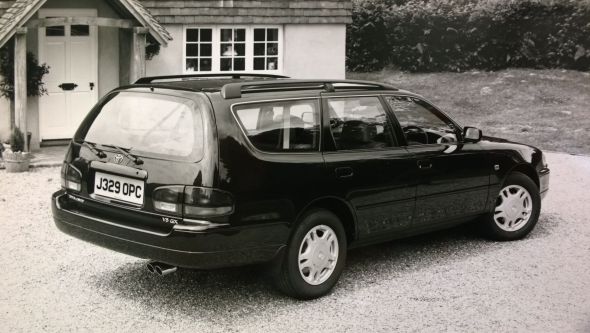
344 172
424 164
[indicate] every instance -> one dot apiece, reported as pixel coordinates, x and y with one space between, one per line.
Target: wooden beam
137 69
20 81
92 21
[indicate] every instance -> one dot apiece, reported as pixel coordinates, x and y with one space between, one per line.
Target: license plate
120 188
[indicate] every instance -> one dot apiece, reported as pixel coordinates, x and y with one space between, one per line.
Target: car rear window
149 124
281 126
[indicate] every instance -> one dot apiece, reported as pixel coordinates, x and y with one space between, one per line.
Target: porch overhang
21 12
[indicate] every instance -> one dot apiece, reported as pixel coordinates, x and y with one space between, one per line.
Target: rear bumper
544 182
215 248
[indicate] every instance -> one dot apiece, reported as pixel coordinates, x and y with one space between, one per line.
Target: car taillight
206 202
168 199
71 178
192 201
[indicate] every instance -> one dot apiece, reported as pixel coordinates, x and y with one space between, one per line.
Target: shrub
457 35
35 73
17 140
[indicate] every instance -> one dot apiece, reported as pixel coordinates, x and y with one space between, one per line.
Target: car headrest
358 131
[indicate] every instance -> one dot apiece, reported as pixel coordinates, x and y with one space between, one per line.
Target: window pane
240 49
80 30
205 64
192 50
259 48
272 49
240 35
359 123
150 124
259 35
227 50
420 122
259 64
205 50
272 34
225 64
282 125
192 65
56 31
192 35
239 64
226 35
272 64
206 35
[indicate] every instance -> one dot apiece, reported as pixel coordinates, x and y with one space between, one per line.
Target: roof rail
231 75
235 90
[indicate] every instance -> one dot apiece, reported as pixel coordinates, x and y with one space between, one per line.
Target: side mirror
471 134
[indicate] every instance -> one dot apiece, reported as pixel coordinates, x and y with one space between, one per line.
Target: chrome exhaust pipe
165 269
151 267
161 268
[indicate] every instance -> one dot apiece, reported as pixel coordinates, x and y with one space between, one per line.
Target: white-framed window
266 48
218 49
198 50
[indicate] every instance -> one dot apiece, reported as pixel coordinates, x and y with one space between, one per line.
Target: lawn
549 109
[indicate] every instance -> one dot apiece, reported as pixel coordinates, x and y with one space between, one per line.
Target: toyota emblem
118 158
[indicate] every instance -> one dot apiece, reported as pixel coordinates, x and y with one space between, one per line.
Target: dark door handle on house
344 172
91 85
424 164
68 86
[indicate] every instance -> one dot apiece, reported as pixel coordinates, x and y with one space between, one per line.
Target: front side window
420 122
281 126
150 125
218 49
359 123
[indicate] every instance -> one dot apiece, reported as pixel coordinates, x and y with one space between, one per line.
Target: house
93 46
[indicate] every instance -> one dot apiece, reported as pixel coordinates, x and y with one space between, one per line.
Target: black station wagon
226 170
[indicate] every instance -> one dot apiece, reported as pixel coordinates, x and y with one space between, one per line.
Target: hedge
458 35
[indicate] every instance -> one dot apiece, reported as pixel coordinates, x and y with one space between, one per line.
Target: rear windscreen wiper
135 159
92 147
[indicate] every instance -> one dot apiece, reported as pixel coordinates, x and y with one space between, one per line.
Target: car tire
314 257
516 209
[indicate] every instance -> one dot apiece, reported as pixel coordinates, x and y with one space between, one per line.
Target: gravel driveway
447 281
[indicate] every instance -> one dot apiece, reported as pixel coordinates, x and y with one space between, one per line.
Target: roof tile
251 11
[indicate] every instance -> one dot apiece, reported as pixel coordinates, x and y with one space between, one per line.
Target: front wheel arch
525 169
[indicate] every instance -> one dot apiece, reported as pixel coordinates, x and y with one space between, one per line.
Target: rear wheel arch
340 208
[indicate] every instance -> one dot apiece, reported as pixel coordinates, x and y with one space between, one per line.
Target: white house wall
309 51
169 60
315 51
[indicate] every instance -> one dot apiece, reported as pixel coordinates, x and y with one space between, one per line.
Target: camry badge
118 158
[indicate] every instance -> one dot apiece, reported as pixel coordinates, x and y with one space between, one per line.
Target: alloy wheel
513 208
318 254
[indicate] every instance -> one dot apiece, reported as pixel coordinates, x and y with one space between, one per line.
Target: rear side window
281 126
155 125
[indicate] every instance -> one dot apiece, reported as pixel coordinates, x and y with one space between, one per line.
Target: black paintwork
379 194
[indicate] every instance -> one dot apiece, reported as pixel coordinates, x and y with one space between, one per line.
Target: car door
453 176
366 166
